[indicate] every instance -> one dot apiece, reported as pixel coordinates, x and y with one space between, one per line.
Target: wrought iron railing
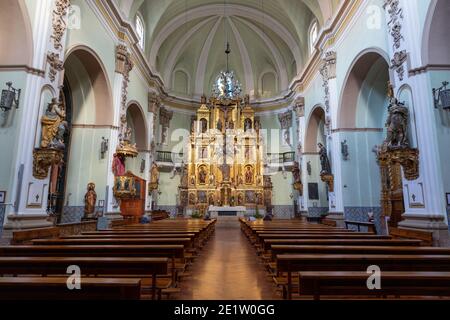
169 157
281 157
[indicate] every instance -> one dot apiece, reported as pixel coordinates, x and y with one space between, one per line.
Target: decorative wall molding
285 119
25 68
56 65
59 24
357 130
397 63
299 107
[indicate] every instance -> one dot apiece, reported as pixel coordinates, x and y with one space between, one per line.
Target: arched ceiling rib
266 35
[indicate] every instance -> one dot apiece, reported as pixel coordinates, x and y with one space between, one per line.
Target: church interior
224 149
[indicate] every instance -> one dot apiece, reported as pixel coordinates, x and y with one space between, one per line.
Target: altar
227 211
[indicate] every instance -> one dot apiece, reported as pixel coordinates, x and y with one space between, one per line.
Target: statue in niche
211 199
184 175
247 125
202 175
192 180
259 200
240 199
54 126
397 125
211 179
204 125
249 175
90 201
118 165
324 161
192 200
154 173
219 125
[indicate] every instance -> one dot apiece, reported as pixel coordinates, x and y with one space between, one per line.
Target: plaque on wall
313 191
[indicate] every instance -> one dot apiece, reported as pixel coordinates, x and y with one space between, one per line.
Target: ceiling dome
186 41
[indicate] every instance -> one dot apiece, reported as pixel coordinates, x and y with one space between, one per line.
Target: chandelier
227 86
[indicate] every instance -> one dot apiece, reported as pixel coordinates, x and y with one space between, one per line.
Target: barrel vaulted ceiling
185 41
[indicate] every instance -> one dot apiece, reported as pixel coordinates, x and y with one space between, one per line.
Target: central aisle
227 269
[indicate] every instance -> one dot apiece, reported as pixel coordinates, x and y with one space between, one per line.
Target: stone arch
15 34
355 79
139 124
435 44
83 64
316 117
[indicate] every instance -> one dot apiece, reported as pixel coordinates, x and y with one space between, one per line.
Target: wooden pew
55 288
173 252
186 242
318 249
358 262
22 236
369 225
330 242
345 283
89 266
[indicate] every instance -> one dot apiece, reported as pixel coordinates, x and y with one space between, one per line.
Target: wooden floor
228 269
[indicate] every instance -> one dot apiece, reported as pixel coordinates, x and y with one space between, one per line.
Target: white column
112 205
429 211
30 211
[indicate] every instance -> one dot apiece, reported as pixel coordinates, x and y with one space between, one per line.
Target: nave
192 259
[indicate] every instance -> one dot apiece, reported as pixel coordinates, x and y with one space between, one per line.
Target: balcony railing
281 157
168 157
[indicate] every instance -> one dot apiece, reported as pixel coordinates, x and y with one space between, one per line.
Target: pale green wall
282 189
168 188
9 132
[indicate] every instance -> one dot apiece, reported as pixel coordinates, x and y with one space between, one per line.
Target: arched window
140 31
313 35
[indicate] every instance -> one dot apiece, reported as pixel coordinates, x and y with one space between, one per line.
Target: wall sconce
344 150
441 96
104 147
10 97
308 168
142 165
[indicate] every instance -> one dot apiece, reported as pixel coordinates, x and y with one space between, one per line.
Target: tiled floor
228 269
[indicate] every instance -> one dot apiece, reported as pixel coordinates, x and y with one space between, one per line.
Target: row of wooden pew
126 262
320 261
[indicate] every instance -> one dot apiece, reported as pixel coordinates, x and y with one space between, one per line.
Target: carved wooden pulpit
134 207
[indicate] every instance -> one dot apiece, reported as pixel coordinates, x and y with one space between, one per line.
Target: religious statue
154 173
202 174
240 199
397 125
90 200
211 179
184 175
324 161
296 172
249 175
247 125
118 165
219 125
192 200
54 126
211 199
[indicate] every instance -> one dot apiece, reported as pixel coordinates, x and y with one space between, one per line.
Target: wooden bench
344 283
22 236
328 222
330 242
186 242
425 236
369 225
358 262
55 288
89 266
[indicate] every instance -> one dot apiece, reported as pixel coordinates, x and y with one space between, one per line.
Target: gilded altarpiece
225 159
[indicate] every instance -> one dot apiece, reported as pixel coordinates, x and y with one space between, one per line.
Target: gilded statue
202 174
54 126
154 172
296 172
90 200
324 161
249 175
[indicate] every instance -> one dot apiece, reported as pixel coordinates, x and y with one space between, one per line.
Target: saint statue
90 200
53 126
118 165
219 125
184 175
202 175
296 172
249 175
154 173
397 125
324 161
240 199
